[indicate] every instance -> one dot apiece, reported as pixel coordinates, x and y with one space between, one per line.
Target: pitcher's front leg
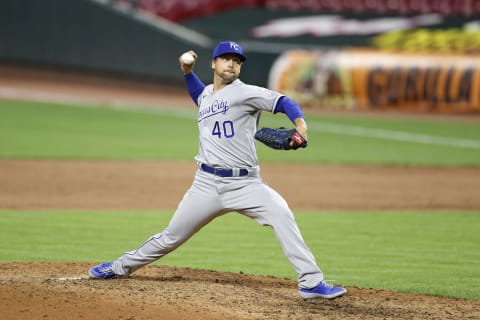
194 211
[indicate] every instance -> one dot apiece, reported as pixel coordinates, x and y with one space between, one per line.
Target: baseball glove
281 138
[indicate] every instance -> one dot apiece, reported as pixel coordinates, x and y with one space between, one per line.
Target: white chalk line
384 134
358 131
72 278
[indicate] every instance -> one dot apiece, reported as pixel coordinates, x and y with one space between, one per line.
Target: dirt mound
64 291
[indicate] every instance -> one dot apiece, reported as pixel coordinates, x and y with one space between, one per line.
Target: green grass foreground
434 253
42 130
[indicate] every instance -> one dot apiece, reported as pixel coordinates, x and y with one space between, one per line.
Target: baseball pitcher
228 176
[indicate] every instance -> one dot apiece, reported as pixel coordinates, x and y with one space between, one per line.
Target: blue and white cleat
102 271
322 290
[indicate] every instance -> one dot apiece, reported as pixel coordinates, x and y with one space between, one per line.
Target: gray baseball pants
211 196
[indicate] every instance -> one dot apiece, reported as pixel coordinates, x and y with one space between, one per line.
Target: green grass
341 147
41 130
427 253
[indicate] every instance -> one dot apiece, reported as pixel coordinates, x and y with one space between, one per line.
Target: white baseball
187 58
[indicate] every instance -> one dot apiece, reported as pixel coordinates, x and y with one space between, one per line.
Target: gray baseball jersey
227 121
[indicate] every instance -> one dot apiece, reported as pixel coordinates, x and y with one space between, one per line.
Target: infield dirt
63 290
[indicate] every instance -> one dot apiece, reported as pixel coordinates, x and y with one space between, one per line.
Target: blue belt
223 172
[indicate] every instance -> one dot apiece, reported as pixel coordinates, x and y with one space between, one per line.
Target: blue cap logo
228 47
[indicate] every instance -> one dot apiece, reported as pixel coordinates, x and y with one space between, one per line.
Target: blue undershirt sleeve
195 86
289 107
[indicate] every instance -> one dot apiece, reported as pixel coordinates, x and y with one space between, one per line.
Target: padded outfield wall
381 80
84 35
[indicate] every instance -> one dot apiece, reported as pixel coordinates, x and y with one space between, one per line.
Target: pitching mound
64 291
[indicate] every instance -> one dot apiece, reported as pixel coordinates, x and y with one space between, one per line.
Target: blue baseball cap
228 47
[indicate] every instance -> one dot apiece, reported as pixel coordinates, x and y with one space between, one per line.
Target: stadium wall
85 35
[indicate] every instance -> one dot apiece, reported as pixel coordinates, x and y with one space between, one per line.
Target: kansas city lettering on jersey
217 107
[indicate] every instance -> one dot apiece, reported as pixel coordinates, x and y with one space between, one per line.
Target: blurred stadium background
381 54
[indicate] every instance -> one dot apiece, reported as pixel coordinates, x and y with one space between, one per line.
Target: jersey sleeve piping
194 85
